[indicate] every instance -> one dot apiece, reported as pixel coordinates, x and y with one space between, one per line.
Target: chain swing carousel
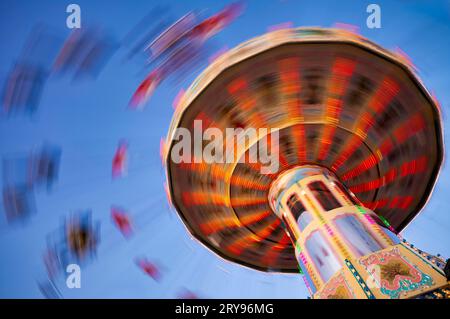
360 148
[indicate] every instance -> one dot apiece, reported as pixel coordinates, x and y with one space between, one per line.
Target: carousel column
324 222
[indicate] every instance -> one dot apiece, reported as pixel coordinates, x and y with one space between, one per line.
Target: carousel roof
336 100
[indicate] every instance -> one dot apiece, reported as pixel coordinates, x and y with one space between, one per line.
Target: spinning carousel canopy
336 100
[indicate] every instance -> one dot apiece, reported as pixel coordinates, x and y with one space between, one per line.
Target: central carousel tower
359 145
